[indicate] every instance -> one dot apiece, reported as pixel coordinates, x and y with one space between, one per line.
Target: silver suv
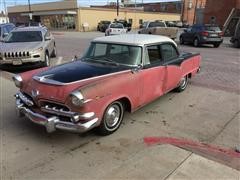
28 45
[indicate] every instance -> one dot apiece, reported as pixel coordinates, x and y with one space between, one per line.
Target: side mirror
5 35
47 38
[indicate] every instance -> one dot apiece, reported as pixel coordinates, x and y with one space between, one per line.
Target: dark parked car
5 29
235 40
103 25
202 34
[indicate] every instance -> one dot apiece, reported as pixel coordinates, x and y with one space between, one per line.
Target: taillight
220 34
204 33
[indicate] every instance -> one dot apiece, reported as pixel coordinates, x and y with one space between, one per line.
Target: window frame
172 60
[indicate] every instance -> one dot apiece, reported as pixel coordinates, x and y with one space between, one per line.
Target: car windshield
120 26
105 22
156 24
24 36
114 53
212 28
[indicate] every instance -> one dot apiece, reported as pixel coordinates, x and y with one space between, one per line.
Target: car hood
77 71
21 46
58 82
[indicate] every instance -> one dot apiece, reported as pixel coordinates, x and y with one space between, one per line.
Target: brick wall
220 9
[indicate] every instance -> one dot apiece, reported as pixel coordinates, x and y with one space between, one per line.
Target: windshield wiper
101 60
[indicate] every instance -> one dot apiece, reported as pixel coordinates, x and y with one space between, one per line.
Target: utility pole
117 8
5 10
30 11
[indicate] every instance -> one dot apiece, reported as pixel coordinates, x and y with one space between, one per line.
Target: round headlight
77 98
17 80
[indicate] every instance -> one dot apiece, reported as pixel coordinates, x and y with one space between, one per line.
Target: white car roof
134 39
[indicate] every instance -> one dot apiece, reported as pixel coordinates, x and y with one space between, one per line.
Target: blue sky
80 2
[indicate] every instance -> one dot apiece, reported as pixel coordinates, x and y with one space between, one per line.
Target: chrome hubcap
183 82
113 115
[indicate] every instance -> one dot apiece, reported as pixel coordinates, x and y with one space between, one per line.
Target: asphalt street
208 112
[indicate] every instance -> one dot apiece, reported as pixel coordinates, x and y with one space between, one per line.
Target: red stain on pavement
225 156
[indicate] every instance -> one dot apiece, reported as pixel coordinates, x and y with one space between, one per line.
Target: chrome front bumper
54 122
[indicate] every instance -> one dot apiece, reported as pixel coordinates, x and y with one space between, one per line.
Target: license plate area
17 62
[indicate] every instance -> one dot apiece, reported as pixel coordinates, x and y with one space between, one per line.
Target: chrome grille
56 109
23 54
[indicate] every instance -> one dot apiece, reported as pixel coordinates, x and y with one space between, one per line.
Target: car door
187 35
172 65
152 74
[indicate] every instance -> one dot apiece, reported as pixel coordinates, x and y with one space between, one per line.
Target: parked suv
28 45
202 34
5 29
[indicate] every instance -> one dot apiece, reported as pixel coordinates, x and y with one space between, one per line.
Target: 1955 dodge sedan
116 74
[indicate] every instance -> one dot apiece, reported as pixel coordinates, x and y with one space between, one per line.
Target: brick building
193 11
218 11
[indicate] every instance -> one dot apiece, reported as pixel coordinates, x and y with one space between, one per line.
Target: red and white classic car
116 74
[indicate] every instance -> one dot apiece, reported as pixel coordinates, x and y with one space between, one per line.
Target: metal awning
42 13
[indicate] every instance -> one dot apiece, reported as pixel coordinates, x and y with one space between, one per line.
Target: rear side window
212 28
153 55
169 52
156 24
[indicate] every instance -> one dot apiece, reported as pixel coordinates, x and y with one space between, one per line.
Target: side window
153 56
168 52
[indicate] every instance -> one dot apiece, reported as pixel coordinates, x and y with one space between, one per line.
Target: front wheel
112 118
181 40
54 52
46 62
196 42
182 84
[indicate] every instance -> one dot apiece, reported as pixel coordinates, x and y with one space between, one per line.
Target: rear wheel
182 84
112 118
216 45
196 42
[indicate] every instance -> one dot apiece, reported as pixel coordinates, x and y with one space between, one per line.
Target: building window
140 21
130 21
